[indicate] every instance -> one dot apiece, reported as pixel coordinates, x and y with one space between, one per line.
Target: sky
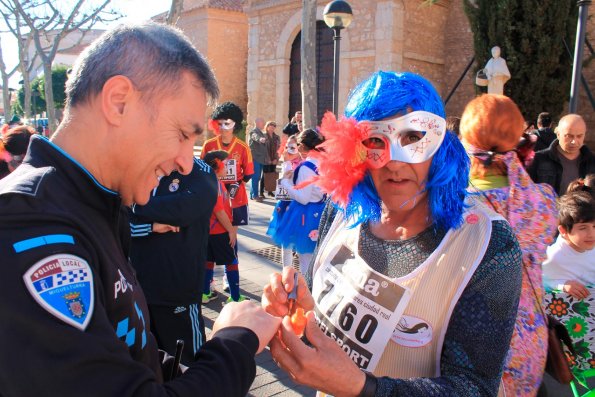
133 11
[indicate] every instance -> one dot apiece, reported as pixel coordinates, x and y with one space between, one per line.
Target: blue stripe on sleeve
41 241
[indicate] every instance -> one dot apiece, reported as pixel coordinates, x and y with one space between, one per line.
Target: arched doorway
324 71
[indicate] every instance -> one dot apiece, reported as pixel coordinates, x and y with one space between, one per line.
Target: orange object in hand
298 321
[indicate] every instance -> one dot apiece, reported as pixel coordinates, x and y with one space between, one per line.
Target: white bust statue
497 72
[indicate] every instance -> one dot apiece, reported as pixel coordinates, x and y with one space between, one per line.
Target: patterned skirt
295 225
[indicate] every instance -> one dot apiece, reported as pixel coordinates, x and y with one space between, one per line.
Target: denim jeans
256 179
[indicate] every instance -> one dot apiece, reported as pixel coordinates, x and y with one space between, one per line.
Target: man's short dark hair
153 56
544 120
213 155
229 110
575 207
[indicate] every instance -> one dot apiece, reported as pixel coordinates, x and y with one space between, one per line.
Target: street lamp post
337 15
583 11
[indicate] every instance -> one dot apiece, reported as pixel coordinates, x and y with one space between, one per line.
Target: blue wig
385 94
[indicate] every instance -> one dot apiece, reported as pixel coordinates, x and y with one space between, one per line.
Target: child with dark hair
586 184
222 236
13 146
301 216
570 260
226 122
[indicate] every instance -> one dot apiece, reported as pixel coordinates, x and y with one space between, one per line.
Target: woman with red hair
491 127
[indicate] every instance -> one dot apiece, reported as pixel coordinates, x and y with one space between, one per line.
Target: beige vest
435 287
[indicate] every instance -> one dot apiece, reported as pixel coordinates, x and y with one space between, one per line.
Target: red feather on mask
214 126
342 160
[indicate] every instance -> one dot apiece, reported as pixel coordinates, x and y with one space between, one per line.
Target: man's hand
324 366
163 228
275 293
248 315
576 289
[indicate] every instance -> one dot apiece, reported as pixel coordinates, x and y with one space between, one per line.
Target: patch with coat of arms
63 285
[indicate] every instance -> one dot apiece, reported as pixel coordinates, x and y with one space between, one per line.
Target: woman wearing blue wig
414 286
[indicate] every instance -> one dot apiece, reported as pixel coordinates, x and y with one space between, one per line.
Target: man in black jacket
168 250
295 125
75 318
544 133
567 158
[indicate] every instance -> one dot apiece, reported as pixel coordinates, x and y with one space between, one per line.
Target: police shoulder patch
63 285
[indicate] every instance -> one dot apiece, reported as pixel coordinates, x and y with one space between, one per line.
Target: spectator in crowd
226 121
15 121
13 146
452 125
222 236
567 158
258 148
292 128
570 261
490 129
419 287
79 322
273 143
544 132
299 228
168 251
586 184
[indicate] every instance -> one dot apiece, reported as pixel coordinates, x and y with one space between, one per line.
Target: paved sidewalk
257 261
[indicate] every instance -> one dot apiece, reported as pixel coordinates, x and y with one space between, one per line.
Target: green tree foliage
37 100
38 104
530 34
59 77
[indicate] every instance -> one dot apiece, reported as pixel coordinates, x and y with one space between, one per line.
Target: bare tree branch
50 28
175 10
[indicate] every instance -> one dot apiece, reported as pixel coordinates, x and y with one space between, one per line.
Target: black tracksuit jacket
170 266
51 195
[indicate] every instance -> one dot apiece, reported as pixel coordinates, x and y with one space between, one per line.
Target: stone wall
250 51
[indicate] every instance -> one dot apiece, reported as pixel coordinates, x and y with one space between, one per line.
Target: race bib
63 285
356 306
281 192
231 172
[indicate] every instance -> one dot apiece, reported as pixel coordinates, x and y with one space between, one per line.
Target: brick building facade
249 43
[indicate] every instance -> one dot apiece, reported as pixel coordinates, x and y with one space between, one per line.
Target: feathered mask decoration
214 126
343 158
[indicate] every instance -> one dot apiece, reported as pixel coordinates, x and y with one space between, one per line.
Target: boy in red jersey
222 236
226 121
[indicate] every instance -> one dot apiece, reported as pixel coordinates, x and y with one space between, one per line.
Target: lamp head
337 14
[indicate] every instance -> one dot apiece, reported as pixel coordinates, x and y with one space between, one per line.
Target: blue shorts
240 216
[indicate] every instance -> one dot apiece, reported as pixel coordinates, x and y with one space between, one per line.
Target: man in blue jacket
168 250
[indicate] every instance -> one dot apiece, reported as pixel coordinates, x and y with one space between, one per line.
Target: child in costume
570 263
295 224
226 121
291 159
222 236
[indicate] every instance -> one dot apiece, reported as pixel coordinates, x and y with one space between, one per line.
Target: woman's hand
324 366
275 293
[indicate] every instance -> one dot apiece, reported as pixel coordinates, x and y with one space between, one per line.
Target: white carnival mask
226 124
412 138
